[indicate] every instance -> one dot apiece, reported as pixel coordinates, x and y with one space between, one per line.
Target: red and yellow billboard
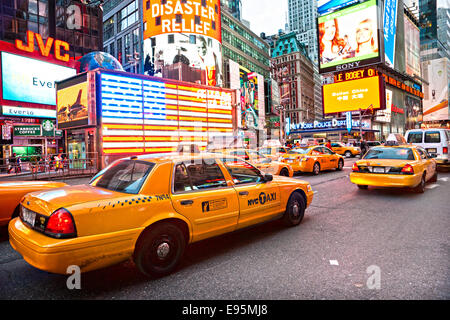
200 17
353 95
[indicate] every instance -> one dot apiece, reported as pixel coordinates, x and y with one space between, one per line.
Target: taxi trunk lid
382 166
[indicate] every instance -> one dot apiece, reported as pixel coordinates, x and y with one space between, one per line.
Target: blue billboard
389 29
328 6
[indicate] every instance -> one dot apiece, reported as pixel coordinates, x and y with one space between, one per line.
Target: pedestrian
328 145
18 165
363 147
58 162
12 163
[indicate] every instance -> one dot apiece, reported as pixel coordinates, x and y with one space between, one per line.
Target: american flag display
153 116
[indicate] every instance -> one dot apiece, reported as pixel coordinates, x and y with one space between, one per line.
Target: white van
435 141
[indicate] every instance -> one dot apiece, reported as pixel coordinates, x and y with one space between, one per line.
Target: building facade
122 33
302 15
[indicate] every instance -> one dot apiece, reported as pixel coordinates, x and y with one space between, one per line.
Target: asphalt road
402 235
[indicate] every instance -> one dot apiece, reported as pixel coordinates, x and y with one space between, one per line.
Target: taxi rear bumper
56 255
386 180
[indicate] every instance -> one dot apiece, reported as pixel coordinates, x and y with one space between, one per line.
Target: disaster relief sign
177 16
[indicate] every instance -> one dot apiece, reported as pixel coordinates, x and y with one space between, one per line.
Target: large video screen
328 6
30 80
349 38
353 95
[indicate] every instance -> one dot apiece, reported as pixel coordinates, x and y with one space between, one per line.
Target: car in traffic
313 159
260 161
11 192
395 166
344 150
434 141
149 208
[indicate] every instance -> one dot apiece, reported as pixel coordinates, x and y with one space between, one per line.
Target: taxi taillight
61 225
408 169
355 168
445 150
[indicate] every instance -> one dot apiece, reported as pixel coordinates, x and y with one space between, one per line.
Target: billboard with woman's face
349 38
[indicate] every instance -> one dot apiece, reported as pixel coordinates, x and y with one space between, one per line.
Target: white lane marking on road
432 186
334 262
347 167
443 179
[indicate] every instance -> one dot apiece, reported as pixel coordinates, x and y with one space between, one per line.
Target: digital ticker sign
353 91
150 115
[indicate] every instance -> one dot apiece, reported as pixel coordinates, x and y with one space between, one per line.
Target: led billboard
30 80
353 95
328 6
182 40
349 38
412 47
389 31
149 115
435 102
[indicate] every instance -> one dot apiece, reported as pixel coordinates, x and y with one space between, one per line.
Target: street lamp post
281 109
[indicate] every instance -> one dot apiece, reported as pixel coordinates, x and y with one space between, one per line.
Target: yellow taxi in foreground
343 150
149 208
12 192
262 162
313 159
395 166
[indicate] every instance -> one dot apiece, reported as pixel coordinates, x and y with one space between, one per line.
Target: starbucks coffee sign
27 130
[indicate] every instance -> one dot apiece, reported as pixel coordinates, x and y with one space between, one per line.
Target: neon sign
44 48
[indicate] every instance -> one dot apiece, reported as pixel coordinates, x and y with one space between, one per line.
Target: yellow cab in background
396 164
262 162
149 208
273 153
11 192
344 150
313 159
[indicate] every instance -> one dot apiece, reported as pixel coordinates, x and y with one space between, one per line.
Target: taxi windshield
125 176
390 153
298 151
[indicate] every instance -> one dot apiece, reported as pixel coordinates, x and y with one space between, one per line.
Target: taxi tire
284 172
421 187
314 171
340 165
146 250
434 178
348 154
291 219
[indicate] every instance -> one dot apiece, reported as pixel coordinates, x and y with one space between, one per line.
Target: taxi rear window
390 153
125 176
298 151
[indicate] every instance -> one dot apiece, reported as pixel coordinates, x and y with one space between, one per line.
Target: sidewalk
28 176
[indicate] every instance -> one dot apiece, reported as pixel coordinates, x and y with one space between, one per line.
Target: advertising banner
412 48
72 103
435 102
30 80
385 115
250 99
348 38
182 40
328 6
389 29
28 112
352 95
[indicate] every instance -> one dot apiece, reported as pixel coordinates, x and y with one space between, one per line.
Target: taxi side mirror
268 177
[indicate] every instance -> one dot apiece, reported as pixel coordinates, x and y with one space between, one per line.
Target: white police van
434 141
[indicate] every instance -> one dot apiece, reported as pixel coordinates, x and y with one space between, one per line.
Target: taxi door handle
186 202
243 193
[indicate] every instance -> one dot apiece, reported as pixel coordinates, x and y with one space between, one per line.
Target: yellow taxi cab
262 162
273 153
12 192
313 159
344 150
149 208
401 166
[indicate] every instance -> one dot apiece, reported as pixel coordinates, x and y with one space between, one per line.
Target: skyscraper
234 7
302 21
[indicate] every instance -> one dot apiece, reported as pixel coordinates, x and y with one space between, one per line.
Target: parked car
434 141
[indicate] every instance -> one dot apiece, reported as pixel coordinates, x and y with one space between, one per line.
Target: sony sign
347 66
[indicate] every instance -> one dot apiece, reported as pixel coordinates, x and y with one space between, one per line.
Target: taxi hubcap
163 250
295 210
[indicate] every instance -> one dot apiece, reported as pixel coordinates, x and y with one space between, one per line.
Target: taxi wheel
434 178
284 172
348 154
340 165
316 168
421 187
295 210
159 250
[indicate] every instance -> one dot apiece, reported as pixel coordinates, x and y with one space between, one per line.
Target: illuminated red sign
44 48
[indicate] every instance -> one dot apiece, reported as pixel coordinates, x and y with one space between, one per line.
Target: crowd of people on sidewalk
38 164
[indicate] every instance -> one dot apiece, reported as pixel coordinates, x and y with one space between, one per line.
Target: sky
265 15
